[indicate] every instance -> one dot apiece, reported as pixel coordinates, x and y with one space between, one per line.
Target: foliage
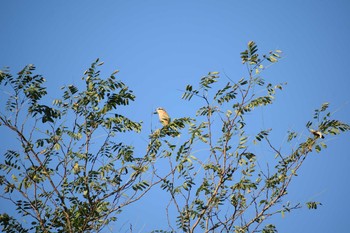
222 188
62 179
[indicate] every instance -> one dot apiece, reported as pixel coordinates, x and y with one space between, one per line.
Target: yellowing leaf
115 72
76 168
14 177
272 59
57 146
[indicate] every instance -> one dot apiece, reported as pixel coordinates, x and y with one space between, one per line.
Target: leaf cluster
74 170
60 176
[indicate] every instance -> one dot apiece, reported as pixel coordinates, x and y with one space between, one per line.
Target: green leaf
313 205
269 229
189 93
318 148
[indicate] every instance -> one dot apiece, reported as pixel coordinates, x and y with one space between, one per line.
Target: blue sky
160 46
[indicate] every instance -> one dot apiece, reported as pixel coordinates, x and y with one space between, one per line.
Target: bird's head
159 109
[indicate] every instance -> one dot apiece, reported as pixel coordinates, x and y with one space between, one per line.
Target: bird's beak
155 112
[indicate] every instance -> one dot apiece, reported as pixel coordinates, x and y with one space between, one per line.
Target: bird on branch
317 133
163 116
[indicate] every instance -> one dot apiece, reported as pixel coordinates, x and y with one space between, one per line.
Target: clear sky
160 46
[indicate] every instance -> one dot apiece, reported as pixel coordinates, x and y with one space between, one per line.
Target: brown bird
317 133
163 116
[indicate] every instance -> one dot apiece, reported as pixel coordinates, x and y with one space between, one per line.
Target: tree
64 180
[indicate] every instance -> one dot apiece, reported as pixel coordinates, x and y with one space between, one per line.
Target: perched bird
163 116
317 133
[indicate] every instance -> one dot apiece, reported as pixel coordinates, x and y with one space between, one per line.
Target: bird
163 116
317 133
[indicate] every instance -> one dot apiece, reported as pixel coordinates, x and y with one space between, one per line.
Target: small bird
163 116
317 133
